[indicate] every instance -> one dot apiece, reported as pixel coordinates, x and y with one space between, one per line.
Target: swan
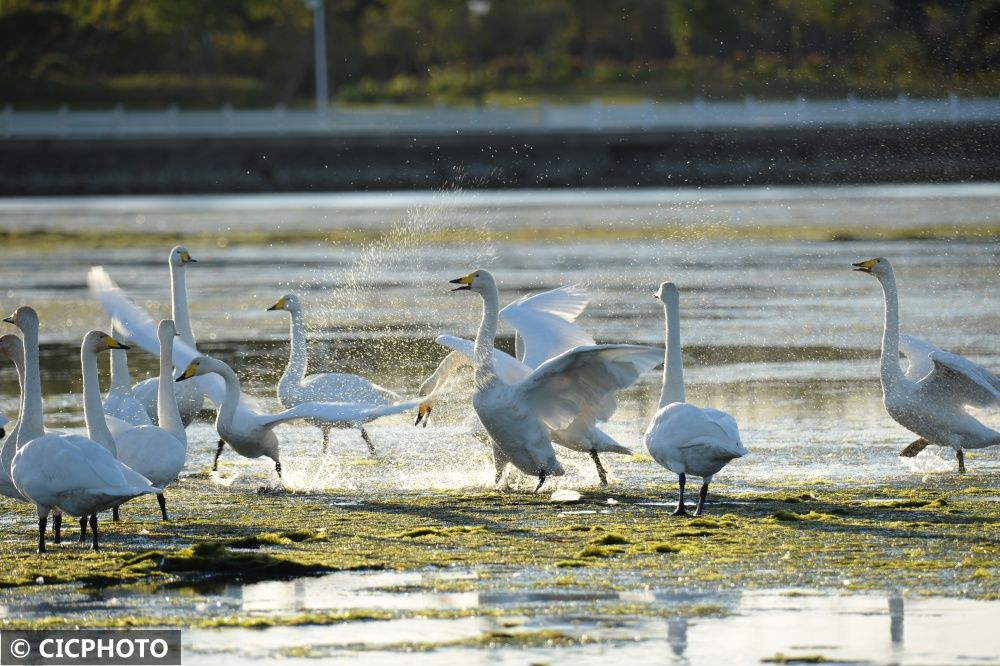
156 452
120 401
73 473
573 390
930 398
190 396
296 387
251 434
682 437
544 329
12 348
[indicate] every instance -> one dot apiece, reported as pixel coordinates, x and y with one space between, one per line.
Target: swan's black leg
218 452
368 441
960 454
915 447
116 515
680 510
701 499
326 439
277 468
163 505
541 480
42 522
57 528
83 528
499 476
93 529
600 468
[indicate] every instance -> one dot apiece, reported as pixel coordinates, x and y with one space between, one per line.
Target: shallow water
780 333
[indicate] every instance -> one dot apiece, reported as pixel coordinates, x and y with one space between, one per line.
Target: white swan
12 348
73 473
296 387
190 396
120 402
575 389
156 452
682 437
930 398
252 435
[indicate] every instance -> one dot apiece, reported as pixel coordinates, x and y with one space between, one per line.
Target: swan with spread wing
930 398
573 390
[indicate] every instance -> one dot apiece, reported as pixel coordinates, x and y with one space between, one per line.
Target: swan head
166 330
11 346
289 302
98 341
668 291
879 267
180 256
479 281
23 316
194 368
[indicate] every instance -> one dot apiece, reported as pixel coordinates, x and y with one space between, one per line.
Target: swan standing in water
73 473
296 387
576 387
120 402
252 435
544 329
931 397
156 452
682 437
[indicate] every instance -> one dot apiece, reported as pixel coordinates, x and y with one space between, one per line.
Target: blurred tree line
259 52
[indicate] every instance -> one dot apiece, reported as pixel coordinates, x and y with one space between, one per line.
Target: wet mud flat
509 570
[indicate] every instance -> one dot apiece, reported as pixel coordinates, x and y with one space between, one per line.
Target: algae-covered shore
936 536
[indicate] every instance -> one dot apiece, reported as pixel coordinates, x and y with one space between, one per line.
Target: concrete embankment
281 163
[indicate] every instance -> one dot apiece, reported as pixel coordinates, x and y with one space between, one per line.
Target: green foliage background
203 53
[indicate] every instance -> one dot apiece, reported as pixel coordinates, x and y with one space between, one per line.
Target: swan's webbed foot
218 452
702 496
368 441
57 528
42 522
423 415
601 472
162 501
541 480
93 530
83 528
960 454
116 514
914 448
681 510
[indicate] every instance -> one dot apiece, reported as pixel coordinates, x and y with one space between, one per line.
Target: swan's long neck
298 354
168 415
486 337
10 443
673 362
93 411
32 425
179 304
232 397
120 379
890 371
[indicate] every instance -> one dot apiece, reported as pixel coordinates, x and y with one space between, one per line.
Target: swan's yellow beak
280 305
114 344
466 282
186 258
865 266
189 372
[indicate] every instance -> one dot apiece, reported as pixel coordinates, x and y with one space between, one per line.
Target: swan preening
572 391
682 437
930 398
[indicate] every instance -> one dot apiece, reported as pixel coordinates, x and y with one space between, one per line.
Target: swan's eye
476 275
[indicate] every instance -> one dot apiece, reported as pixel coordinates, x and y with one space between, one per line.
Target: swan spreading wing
544 323
949 374
581 382
508 368
348 413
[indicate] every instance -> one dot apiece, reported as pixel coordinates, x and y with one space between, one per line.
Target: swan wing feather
959 379
544 323
508 368
350 413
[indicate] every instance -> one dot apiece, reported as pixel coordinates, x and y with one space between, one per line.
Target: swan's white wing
508 368
958 379
544 323
581 382
141 328
438 381
917 352
350 413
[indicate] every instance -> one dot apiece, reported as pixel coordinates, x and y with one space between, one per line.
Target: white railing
594 117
